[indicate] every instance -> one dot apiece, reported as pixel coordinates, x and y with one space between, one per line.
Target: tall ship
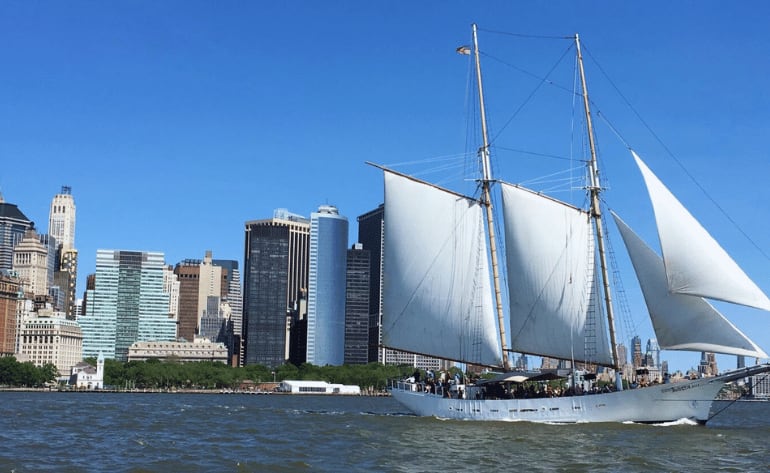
443 297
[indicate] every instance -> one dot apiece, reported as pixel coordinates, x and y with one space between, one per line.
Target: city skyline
193 119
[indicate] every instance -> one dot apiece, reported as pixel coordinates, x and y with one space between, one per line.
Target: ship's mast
486 200
594 190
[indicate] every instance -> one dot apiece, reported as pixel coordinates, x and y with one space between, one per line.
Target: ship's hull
658 403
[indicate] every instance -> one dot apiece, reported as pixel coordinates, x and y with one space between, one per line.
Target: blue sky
175 122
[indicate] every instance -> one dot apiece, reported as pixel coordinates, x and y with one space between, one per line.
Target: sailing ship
442 295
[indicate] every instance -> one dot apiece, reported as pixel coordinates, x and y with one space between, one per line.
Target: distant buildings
128 304
326 289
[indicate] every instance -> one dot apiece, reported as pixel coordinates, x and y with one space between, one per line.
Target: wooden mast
487 202
594 190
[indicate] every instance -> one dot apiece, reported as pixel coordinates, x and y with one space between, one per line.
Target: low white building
184 352
85 376
317 387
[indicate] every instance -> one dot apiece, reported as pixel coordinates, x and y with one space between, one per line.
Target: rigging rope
671 155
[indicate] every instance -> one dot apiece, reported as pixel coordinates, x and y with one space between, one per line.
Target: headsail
552 278
681 322
695 263
437 297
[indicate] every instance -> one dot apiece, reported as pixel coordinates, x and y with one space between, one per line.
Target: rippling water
245 433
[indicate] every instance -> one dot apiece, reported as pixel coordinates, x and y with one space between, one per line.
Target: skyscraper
61 226
326 287
275 271
188 273
13 225
61 218
370 231
357 306
128 304
30 261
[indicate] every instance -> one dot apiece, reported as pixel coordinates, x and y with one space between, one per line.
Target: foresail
681 322
437 297
552 279
695 263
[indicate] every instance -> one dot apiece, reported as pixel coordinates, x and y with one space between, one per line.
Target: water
68 432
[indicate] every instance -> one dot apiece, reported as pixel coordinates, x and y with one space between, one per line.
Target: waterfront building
200 349
275 271
317 387
326 287
49 337
87 377
357 306
61 226
30 262
13 226
128 304
370 234
10 297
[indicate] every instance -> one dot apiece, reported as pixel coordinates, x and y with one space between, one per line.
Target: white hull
659 403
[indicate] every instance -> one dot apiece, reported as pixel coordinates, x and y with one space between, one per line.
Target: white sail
681 322
551 278
437 297
695 263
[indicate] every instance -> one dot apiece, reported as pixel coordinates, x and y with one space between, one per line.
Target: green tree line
25 375
157 374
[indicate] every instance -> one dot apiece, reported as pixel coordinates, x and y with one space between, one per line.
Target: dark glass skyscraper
275 271
370 236
13 225
357 306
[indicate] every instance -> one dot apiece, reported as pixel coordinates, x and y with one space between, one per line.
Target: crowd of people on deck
452 387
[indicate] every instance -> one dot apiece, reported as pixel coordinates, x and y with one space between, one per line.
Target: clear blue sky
175 122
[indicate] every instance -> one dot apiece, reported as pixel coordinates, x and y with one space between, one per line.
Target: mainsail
681 322
695 263
437 297
552 278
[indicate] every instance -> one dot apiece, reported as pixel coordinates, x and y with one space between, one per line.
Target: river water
95 432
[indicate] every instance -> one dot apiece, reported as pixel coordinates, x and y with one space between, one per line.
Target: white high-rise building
61 227
61 218
326 287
